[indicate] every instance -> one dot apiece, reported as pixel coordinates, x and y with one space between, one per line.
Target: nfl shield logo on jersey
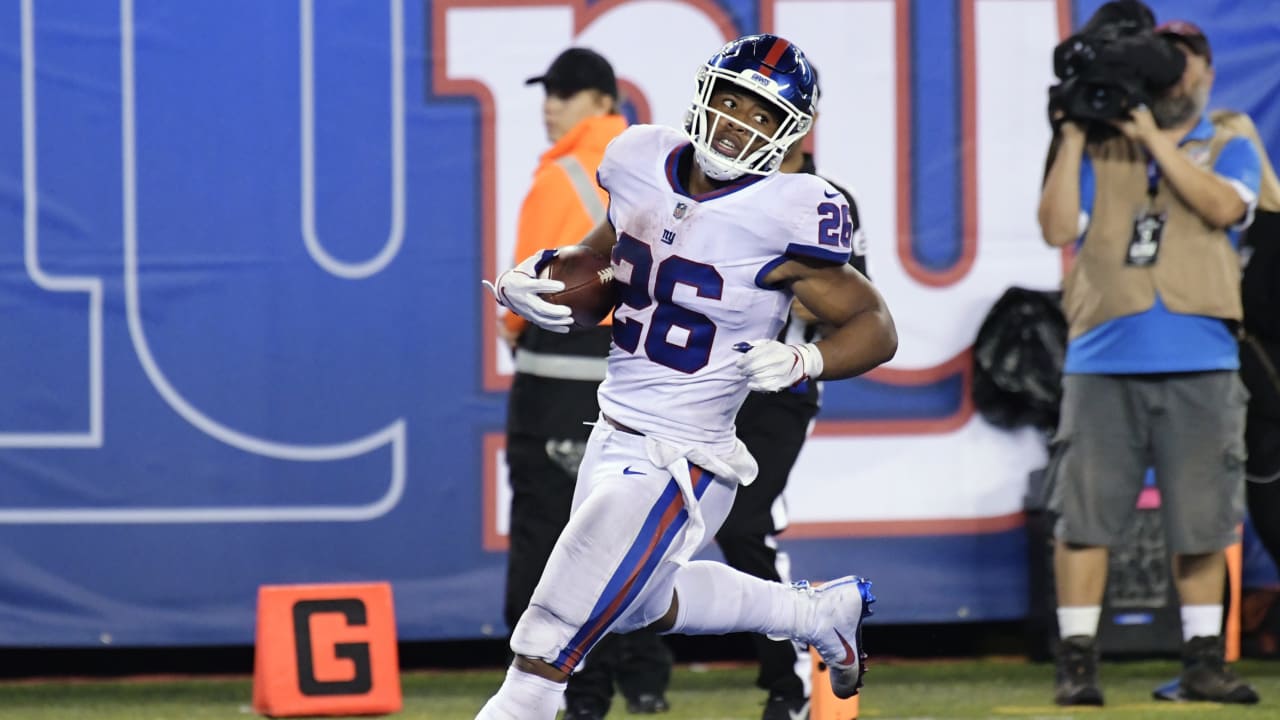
681 209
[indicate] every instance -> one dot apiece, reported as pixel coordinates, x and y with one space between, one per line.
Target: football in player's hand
588 284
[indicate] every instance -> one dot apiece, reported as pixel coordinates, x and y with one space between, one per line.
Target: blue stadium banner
243 339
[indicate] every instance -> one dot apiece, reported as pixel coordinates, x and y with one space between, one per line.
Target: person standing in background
774 427
1259 355
1150 374
553 392
1260 343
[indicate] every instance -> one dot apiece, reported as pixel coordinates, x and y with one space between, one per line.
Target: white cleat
840 606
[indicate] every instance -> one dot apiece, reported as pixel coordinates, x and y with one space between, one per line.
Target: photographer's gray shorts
1188 426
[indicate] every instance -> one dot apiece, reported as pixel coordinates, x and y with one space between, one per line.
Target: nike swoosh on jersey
830 194
628 471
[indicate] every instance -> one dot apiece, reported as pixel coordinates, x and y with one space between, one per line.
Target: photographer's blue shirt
1159 340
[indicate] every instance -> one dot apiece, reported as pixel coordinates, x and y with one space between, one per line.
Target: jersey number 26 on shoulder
836 224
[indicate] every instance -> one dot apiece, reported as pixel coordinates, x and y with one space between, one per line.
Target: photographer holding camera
1153 197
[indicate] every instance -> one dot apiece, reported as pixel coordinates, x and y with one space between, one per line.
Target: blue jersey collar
672 164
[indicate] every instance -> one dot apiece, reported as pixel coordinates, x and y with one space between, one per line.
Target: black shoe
584 711
779 707
647 704
1205 675
1077 672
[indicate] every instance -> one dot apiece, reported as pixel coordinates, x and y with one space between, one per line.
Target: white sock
715 599
524 696
1078 620
1201 621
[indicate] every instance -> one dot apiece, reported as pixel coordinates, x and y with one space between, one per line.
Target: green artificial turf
938 689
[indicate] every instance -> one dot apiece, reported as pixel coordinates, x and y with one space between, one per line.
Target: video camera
1113 64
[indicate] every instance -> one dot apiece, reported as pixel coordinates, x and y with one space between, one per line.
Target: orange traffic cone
823 704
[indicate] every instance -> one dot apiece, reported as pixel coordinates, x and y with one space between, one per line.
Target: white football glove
518 289
770 366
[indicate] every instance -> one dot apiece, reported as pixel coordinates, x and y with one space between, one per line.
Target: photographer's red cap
1189 34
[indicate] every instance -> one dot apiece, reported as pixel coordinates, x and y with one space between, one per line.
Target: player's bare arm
602 238
863 335
803 314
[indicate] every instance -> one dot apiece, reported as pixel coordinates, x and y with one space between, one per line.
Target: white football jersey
690 275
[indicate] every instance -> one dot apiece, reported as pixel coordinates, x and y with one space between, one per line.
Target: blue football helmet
771 68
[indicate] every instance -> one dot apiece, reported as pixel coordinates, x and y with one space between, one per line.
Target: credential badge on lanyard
1144 246
1148 227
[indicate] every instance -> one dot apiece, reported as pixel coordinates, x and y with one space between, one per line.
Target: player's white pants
613 566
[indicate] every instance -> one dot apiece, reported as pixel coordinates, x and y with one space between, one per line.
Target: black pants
1264 510
541 496
1258 359
773 427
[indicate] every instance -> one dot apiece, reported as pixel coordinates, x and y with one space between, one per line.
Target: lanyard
1153 178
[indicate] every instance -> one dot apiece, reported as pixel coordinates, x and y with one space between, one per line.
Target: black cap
1188 34
578 69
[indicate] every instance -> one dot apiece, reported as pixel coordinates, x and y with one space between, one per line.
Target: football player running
709 244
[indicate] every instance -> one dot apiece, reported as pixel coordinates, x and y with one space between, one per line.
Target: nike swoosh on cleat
801 714
628 471
848 650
